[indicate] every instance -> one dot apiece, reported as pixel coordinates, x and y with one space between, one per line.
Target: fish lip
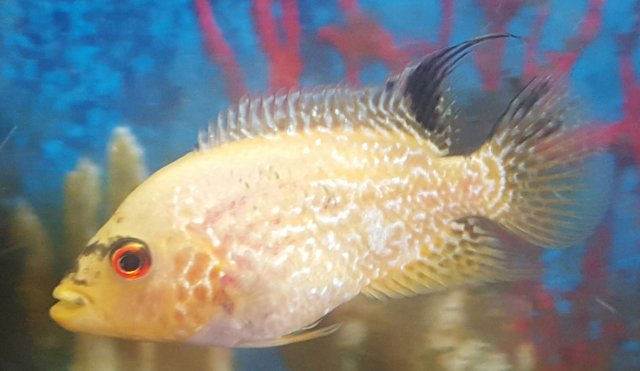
69 299
75 311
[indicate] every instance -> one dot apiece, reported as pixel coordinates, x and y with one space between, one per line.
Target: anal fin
466 254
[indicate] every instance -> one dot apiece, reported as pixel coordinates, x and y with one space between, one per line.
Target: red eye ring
131 259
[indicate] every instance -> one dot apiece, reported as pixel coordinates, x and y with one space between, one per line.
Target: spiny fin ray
409 104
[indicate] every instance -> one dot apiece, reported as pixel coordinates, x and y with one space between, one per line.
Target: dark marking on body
79 282
104 249
98 248
274 172
74 270
228 307
214 214
330 199
101 250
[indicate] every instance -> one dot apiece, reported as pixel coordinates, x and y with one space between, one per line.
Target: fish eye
130 258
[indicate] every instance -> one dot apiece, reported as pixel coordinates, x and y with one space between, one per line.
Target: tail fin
556 181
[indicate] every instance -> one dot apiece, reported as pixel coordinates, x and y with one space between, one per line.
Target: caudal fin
556 180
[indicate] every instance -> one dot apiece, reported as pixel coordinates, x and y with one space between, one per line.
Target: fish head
146 274
110 290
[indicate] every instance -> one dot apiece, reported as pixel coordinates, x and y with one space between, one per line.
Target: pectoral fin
304 334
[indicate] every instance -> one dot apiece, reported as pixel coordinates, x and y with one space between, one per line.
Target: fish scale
368 236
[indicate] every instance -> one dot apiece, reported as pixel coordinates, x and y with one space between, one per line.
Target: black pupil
130 262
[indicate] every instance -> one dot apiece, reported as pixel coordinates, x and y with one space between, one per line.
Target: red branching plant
531 68
558 349
581 350
498 13
218 50
627 130
624 133
561 62
362 39
285 61
446 27
564 61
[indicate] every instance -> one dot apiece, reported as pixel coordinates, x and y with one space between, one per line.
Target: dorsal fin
422 83
410 103
291 112
322 108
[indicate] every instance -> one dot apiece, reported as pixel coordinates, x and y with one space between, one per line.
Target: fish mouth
70 301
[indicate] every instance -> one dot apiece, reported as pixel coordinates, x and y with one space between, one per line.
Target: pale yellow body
299 202
297 225
317 217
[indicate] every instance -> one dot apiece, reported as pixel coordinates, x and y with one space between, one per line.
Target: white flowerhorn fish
295 203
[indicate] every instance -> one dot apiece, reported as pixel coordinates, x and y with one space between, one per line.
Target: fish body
297 202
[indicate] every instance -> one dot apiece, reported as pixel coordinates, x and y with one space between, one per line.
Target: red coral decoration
531 67
564 61
285 61
499 13
218 50
362 39
561 62
627 130
488 58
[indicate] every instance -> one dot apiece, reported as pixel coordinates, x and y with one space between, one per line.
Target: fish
296 202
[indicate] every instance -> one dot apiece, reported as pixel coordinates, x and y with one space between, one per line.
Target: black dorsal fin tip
424 84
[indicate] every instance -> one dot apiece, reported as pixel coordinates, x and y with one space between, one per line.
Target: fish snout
69 297
70 302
